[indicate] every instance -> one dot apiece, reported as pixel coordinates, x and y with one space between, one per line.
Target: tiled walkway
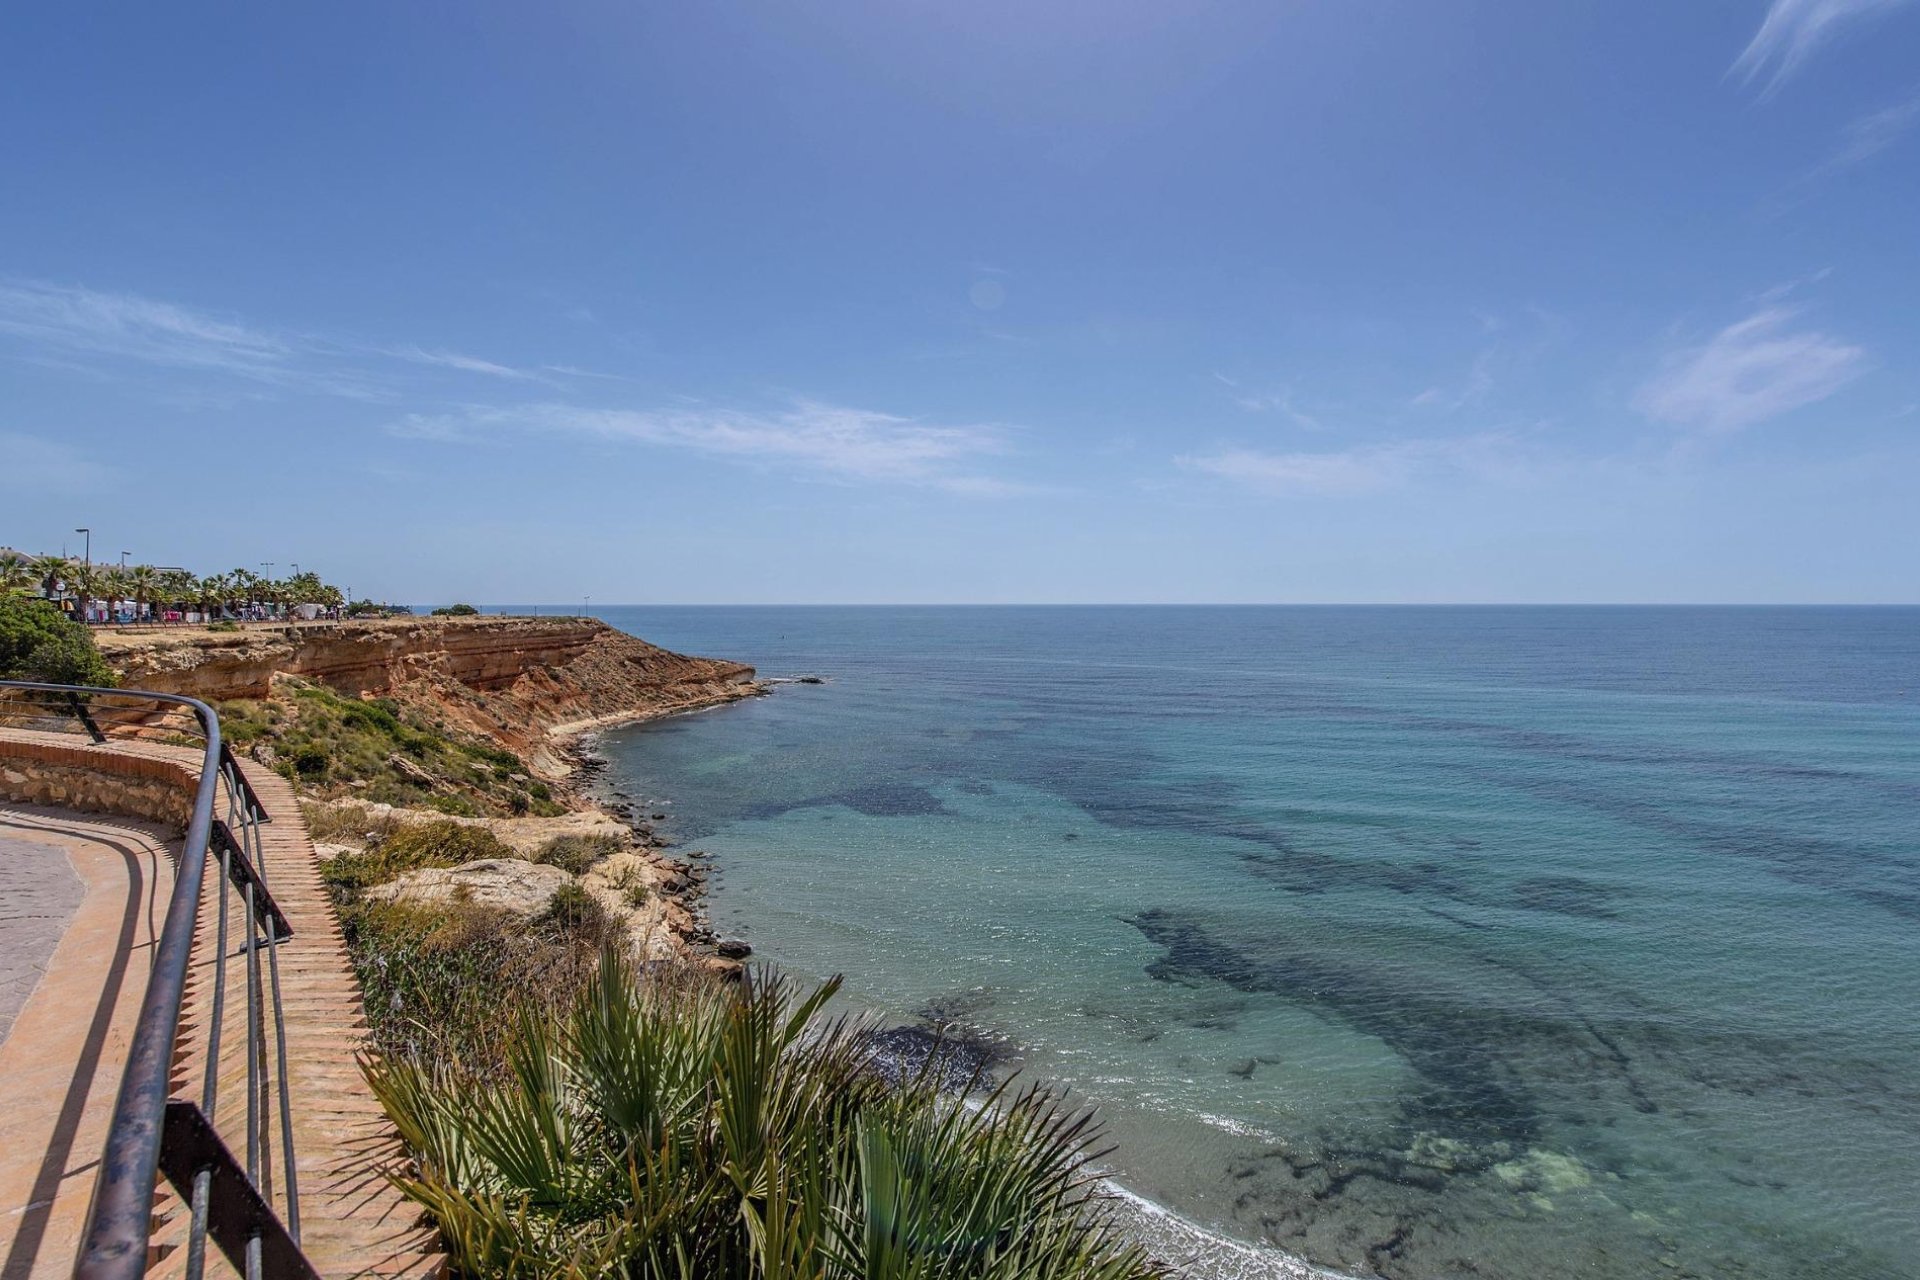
38 892
60 1060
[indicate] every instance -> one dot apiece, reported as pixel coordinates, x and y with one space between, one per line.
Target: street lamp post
84 602
123 558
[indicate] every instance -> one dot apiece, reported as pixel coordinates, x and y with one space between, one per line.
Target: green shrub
456 611
574 854
448 983
38 642
573 915
453 806
665 1127
409 848
455 842
386 753
333 823
224 624
311 762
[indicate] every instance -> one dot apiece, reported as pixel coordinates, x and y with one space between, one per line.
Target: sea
1410 942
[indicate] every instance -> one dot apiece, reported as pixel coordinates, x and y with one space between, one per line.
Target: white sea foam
1197 1253
1238 1128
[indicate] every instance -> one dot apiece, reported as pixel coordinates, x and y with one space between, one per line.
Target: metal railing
231 1199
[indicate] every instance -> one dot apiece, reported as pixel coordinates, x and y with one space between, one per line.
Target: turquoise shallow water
1425 942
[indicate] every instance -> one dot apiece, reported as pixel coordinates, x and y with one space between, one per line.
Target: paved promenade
100 886
38 892
74 953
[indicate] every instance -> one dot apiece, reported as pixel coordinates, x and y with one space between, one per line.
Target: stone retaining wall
93 779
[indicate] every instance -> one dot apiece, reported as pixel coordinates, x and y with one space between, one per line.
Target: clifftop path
523 682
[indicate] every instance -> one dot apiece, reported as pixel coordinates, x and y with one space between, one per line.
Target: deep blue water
1429 942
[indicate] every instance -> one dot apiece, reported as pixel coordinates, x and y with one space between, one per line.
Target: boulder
411 771
510 884
733 949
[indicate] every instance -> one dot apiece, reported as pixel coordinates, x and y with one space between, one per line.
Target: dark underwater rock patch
946 1039
1467 1088
1568 896
959 1059
890 800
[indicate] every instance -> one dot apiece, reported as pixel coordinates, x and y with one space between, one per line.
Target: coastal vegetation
667 1126
38 642
450 982
575 854
382 751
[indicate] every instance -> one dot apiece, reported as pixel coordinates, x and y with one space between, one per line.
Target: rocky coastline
680 879
538 690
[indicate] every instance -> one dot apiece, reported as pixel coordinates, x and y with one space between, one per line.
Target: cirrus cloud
1792 30
1367 468
1753 370
824 439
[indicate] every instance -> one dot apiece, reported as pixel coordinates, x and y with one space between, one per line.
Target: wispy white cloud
1756 369
462 363
1368 468
823 439
1871 134
574 371
36 465
72 326
1792 30
75 319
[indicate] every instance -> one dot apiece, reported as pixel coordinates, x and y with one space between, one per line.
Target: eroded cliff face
524 682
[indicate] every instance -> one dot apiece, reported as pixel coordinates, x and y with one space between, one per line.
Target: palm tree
143 580
84 581
16 573
668 1129
53 572
113 586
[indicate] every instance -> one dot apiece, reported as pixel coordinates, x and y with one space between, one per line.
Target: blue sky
903 301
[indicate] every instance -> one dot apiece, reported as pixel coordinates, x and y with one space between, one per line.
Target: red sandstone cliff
520 681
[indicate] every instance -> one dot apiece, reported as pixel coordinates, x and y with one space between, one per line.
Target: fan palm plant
675 1129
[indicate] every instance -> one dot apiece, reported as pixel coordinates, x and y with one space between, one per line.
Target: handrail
152 1133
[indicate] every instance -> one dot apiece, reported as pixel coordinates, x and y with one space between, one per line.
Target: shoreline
570 732
683 880
1190 1249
